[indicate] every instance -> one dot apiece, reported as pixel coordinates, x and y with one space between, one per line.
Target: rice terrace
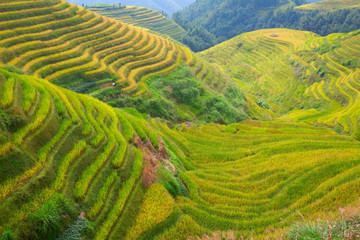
227 120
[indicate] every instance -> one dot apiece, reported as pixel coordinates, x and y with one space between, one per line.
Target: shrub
7 234
336 230
10 121
76 230
262 103
49 219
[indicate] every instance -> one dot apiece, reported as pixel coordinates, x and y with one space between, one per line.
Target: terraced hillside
311 79
257 178
78 41
141 17
73 167
79 160
57 141
330 5
86 52
168 6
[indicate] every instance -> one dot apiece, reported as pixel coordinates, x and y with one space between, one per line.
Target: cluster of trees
209 22
179 95
320 22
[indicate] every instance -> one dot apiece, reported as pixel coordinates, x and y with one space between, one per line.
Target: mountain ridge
207 25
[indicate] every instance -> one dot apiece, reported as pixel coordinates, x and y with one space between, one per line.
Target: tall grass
7 92
123 195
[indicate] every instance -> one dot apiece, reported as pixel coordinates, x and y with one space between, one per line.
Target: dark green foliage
321 71
11 121
14 164
210 22
78 81
262 103
352 63
198 38
76 230
180 97
208 105
83 87
171 182
49 219
6 56
7 234
13 69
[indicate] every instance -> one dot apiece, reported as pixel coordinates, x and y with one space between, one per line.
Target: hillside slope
255 179
313 78
330 5
79 160
141 17
57 141
86 52
211 22
168 6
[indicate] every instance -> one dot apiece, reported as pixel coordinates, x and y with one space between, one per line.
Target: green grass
341 229
84 51
65 154
329 5
58 152
312 79
258 176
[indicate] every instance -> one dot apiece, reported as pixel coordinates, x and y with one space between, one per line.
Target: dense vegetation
310 78
67 144
211 22
259 177
86 52
199 158
177 94
269 168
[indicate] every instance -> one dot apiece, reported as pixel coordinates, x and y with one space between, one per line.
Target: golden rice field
257 178
72 167
141 17
329 5
254 179
70 45
303 77
66 143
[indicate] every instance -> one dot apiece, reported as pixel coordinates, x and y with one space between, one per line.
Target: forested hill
209 22
168 6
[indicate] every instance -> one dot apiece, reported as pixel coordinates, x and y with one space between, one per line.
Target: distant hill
212 21
141 17
330 5
168 6
209 22
298 75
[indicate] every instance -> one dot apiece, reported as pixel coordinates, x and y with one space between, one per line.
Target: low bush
337 230
49 220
